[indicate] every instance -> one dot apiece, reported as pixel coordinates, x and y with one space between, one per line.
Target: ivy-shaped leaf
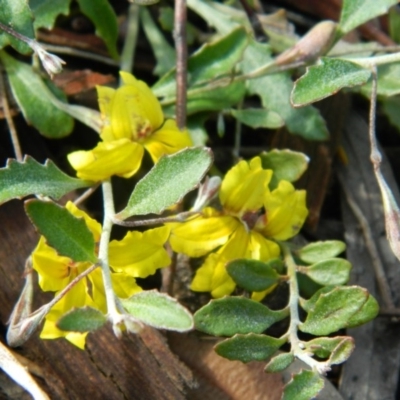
17 15
320 251
250 347
159 310
168 181
85 319
46 11
33 97
20 179
67 234
303 386
325 79
232 315
356 12
104 19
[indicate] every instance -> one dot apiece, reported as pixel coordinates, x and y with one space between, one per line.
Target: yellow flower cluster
132 121
251 215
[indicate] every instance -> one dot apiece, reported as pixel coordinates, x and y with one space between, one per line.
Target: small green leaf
368 311
274 92
388 81
17 15
254 275
356 12
231 315
33 97
325 79
333 310
210 61
258 118
168 181
46 11
319 251
20 179
104 19
342 351
279 363
85 319
323 347
334 271
287 165
250 347
64 232
163 51
303 386
309 305
159 310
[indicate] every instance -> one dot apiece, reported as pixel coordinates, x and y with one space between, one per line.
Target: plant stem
128 51
369 62
109 212
296 344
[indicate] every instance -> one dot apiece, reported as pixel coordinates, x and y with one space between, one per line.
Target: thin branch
181 62
86 194
156 221
128 51
9 119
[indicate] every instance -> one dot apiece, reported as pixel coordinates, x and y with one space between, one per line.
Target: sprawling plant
241 225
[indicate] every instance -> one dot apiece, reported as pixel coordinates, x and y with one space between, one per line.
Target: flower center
250 218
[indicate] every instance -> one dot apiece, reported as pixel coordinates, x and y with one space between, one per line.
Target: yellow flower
132 121
241 229
136 255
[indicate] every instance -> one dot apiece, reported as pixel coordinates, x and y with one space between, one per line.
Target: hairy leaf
303 386
64 232
85 319
319 251
279 363
19 179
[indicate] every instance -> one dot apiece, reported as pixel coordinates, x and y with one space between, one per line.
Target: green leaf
20 179
334 271
319 251
394 24
33 97
258 118
391 107
287 165
231 315
274 91
210 61
388 81
309 305
333 310
163 51
46 11
368 311
250 347
325 79
254 275
303 386
279 363
342 351
85 319
68 235
168 181
356 12
323 347
104 19
159 310
17 15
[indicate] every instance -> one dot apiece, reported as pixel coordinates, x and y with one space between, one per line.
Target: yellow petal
124 285
92 224
167 140
200 235
286 212
244 187
121 157
53 269
258 296
212 276
140 254
260 248
76 297
132 111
